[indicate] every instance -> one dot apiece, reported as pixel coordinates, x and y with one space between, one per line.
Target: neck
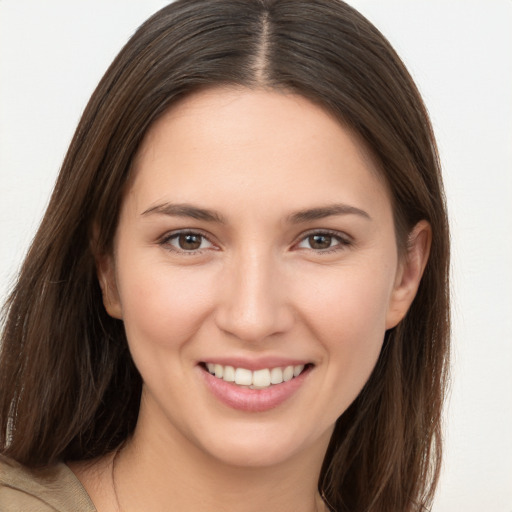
159 470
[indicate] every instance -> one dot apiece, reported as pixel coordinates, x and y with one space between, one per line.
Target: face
255 244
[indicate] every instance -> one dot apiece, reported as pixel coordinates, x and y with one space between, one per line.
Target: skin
258 285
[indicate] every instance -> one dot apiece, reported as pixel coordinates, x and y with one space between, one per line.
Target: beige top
52 489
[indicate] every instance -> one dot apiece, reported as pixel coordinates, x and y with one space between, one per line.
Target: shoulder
49 489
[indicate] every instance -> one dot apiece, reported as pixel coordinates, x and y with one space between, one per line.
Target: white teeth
259 379
219 371
243 377
276 376
297 370
288 373
229 374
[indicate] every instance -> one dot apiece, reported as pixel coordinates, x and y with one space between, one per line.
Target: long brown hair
68 387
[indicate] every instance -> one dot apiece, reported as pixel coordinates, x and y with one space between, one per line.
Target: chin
253 455
257 446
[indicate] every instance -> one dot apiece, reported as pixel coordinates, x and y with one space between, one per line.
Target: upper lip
254 364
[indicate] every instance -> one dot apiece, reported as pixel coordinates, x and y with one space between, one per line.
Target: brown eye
320 241
324 242
187 242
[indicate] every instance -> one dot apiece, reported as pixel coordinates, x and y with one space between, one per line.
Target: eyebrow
185 210
326 211
308 215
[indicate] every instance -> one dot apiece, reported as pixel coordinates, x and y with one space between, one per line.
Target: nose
253 304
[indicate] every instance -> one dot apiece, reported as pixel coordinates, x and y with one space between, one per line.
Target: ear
410 271
105 269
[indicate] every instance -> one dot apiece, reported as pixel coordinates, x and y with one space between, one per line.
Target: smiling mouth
258 379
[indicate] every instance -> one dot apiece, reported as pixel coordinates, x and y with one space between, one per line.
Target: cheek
348 317
163 306
347 301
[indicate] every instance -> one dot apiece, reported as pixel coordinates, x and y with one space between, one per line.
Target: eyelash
166 242
343 241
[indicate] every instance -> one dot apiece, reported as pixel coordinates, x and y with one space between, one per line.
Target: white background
52 54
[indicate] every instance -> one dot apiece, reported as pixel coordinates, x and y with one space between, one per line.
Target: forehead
220 144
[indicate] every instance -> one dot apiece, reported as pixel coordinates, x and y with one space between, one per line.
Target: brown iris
189 241
320 241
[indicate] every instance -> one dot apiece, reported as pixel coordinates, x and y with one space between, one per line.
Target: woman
238 296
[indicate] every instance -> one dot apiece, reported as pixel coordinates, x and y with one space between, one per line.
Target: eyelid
344 239
165 239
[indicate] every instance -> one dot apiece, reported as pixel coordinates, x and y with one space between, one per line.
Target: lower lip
253 400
